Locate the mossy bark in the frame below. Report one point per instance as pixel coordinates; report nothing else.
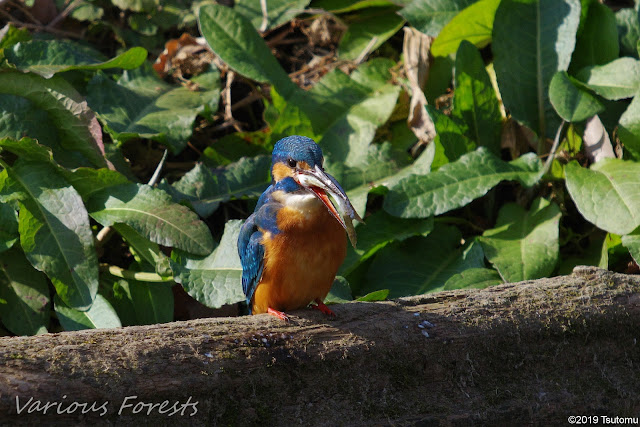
(536, 351)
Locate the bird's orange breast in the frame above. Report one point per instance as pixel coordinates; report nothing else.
(300, 262)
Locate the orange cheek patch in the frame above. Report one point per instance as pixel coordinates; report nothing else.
(281, 171)
(304, 166)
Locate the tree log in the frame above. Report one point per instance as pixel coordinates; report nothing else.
(536, 351)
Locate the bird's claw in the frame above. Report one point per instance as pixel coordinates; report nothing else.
(279, 314)
(322, 307)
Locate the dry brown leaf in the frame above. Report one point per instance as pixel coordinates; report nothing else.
(416, 49)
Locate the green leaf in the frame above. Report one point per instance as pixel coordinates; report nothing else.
(76, 126)
(215, 280)
(474, 99)
(140, 105)
(628, 31)
(532, 40)
(343, 112)
(473, 278)
(378, 23)
(456, 184)
(597, 41)
(27, 149)
(629, 128)
(137, 5)
(632, 242)
(473, 24)
(152, 302)
(54, 231)
(430, 16)
(89, 181)
(345, 6)
(380, 295)
(151, 213)
(404, 269)
(450, 142)
(48, 57)
(100, 315)
(147, 250)
(278, 11)
(8, 226)
(10, 35)
(607, 195)
(206, 188)
(571, 101)
(233, 38)
(379, 230)
(616, 80)
(340, 292)
(25, 290)
(524, 245)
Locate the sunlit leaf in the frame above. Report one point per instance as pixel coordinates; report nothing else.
(216, 279)
(524, 244)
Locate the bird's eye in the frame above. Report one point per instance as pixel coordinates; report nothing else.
(291, 162)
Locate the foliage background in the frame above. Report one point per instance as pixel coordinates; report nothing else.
(483, 142)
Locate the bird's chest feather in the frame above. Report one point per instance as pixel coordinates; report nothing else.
(301, 260)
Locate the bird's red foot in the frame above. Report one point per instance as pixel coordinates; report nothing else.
(323, 308)
(279, 314)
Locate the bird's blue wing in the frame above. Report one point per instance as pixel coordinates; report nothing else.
(251, 253)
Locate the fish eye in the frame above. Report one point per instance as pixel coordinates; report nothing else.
(292, 163)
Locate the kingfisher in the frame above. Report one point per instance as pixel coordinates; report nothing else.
(294, 242)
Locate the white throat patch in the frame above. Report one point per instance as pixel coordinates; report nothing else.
(304, 202)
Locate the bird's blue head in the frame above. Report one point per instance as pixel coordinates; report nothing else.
(294, 152)
(297, 167)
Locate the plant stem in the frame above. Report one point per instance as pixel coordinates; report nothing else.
(136, 275)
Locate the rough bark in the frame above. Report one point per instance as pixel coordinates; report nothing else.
(536, 351)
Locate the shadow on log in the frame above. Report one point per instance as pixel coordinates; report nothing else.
(537, 351)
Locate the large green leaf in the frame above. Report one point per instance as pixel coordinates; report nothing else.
(145, 249)
(26, 149)
(456, 184)
(278, 11)
(233, 38)
(152, 213)
(100, 315)
(473, 24)
(524, 245)
(88, 181)
(57, 103)
(597, 41)
(378, 23)
(608, 194)
(54, 230)
(215, 280)
(571, 101)
(474, 99)
(629, 128)
(379, 230)
(628, 31)
(8, 226)
(421, 264)
(140, 105)
(152, 302)
(345, 6)
(473, 278)
(48, 57)
(532, 40)
(616, 80)
(632, 242)
(343, 112)
(206, 188)
(430, 16)
(24, 295)
(450, 142)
